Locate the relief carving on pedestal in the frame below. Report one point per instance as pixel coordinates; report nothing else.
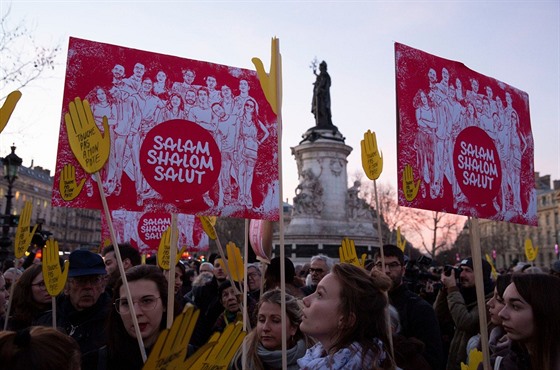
(357, 208)
(309, 195)
(336, 166)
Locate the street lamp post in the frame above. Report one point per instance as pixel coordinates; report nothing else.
(11, 166)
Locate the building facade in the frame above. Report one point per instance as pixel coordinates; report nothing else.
(506, 241)
(73, 228)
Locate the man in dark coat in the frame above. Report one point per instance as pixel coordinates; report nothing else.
(417, 317)
(82, 310)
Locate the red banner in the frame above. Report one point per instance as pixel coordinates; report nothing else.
(187, 137)
(464, 141)
(143, 230)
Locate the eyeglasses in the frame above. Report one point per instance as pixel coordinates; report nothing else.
(253, 275)
(146, 303)
(319, 271)
(390, 266)
(250, 105)
(84, 280)
(40, 284)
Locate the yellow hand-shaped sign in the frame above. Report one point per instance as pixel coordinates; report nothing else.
(89, 146)
(475, 358)
(55, 279)
(8, 108)
(170, 349)
(208, 223)
(164, 250)
(218, 355)
(234, 261)
(494, 272)
(67, 185)
(530, 252)
(401, 243)
(269, 82)
(372, 158)
(23, 235)
(410, 188)
(347, 253)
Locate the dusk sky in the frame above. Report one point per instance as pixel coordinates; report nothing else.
(515, 42)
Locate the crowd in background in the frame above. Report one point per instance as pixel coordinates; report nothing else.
(388, 314)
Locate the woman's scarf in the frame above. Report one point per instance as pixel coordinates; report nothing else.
(273, 359)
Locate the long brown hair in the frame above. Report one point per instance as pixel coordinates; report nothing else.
(120, 342)
(39, 348)
(542, 293)
(362, 305)
(25, 309)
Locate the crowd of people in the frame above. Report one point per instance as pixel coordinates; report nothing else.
(337, 315)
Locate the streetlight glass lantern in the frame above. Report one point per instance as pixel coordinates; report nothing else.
(11, 163)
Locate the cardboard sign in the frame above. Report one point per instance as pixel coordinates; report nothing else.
(8, 108)
(372, 157)
(55, 278)
(23, 235)
(530, 252)
(144, 230)
(186, 136)
(467, 138)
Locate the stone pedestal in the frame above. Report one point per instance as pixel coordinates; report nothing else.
(325, 210)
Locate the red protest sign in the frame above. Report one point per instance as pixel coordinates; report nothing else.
(144, 230)
(187, 136)
(467, 138)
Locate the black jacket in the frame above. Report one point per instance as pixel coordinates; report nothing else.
(87, 327)
(418, 320)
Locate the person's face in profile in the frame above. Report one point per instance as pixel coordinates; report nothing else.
(321, 312)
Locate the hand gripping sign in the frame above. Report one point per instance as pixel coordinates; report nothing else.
(347, 253)
(23, 235)
(8, 108)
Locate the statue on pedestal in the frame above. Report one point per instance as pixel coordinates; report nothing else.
(321, 104)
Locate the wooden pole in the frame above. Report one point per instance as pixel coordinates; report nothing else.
(480, 298)
(121, 267)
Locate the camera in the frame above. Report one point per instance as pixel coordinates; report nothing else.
(448, 268)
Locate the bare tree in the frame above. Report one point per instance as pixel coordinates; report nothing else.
(435, 231)
(392, 215)
(23, 60)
